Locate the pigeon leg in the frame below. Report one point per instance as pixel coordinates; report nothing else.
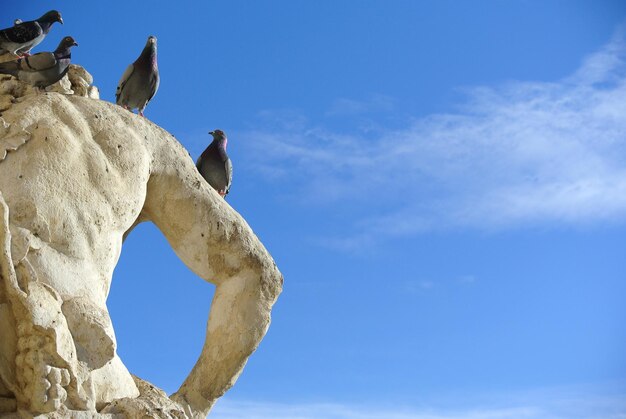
(141, 114)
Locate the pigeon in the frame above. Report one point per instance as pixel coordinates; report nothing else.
(140, 81)
(214, 164)
(44, 68)
(23, 36)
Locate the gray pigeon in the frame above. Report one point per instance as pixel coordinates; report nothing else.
(42, 69)
(214, 164)
(140, 81)
(23, 36)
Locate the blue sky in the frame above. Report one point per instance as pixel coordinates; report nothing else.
(443, 185)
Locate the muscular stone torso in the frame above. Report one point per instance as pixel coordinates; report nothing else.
(69, 206)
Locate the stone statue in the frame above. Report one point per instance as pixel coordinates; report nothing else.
(76, 175)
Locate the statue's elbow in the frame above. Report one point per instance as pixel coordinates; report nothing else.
(269, 279)
(274, 284)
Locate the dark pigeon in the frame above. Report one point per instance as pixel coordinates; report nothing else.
(42, 69)
(22, 37)
(140, 81)
(214, 164)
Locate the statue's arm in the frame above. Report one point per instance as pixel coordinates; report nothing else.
(219, 246)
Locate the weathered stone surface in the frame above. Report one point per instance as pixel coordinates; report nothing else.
(152, 402)
(76, 175)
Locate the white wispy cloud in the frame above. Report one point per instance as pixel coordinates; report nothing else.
(524, 153)
(534, 406)
(335, 411)
(417, 286)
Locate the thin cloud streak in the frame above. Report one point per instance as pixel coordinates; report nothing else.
(526, 153)
(335, 411)
(563, 407)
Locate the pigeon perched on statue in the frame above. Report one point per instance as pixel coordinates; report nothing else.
(140, 81)
(44, 68)
(214, 164)
(23, 36)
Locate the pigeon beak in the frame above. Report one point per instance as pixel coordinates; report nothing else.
(75, 44)
(60, 20)
(211, 132)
